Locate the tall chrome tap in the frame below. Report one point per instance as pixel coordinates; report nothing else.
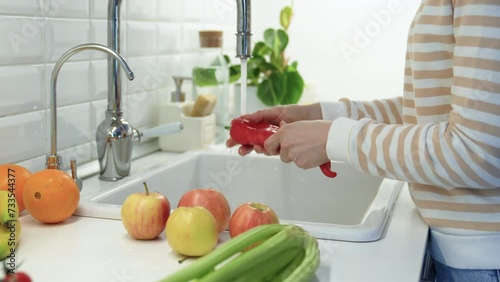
(243, 29)
(115, 136)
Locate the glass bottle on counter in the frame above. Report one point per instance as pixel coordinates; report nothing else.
(211, 73)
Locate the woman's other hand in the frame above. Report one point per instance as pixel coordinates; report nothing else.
(303, 143)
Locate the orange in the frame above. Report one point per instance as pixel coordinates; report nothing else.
(16, 176)
(51, 195)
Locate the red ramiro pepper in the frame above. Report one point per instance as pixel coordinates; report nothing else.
(245, 132)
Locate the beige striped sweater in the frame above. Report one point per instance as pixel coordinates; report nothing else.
(443, 135)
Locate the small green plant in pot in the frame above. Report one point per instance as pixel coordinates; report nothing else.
(278, 81)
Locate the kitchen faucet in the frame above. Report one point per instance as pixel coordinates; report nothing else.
(115, 136)
(54, 160)
(243, 29)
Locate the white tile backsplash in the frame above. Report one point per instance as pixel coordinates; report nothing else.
(98, 79)
(194, 10)
(62, 35)
(98, 9)
(168, 67)
(66, 8)
(23, 136)
(190, 37)
(147, 77)
(25, 7)
(141, 10)
(21, 40)
(22, 89)
(98, 34)
(141, 38)
(159, 39)
(72, 84)
(135, 105)
(73, 125)
(169, 38)
(172, 11)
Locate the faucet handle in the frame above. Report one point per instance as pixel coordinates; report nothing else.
(168, 128)
(78, 181)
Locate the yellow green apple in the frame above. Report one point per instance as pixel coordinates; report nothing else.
(144, 215)
(211, 199)
(10, 232)
(192, 231)
(9, 209)
(10, 228)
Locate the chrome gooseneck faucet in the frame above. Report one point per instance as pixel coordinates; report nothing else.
(54, 159)
(115, 136)
(243, 29)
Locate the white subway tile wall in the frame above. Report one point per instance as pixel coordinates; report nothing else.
(159, 39)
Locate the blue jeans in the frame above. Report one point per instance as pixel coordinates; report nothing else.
(445, 273)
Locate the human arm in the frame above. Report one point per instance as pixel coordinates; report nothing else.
(382, 110)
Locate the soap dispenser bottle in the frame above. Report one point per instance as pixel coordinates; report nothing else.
(211, 73)
(172, 108)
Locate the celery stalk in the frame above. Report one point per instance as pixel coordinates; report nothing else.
(208, 262)
(290, 237)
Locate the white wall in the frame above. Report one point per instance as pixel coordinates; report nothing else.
(160, 40)
(321, 27)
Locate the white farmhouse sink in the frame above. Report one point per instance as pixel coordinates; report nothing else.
(351, 207)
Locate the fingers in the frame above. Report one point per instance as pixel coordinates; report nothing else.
(245, 150)
(272, 144)
(230, 143)
(266, 115)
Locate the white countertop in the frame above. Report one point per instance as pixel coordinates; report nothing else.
(91, 249)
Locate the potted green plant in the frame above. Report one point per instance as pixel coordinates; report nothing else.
(278, 80)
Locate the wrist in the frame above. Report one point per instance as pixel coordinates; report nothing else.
(337, 146)
(313, 112)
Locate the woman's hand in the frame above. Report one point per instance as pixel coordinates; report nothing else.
(302, 142)
(275, 115)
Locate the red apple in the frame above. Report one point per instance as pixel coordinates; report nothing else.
(250, 215)
(144, 215)
(211, 199)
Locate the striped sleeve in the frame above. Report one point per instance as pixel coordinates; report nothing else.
(464, 149)
(384, 110)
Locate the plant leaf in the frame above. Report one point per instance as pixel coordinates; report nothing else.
(294, 86)
(286, 17)
(276, 39)
(227, 59)
(204, 77)
(270, 39)
(283, 40)
(234, 73)
(271, 90)
(253, 71)
(260, 50)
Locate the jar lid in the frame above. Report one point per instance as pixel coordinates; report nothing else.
(210, 38)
